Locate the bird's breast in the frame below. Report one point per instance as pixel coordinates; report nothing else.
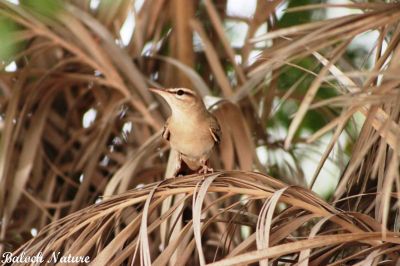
(191, 139)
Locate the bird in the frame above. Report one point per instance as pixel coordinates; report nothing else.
(191, 129)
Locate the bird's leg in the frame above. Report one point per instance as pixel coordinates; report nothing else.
(204, 167)
(178, 165)
(166, 133)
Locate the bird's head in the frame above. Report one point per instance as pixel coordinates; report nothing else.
(180, 99)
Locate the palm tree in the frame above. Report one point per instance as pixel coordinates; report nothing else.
(304, 109)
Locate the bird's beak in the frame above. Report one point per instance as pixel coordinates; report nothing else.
(162, 92)
(159, 91)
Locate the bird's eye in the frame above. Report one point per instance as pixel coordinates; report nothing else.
(180, 92)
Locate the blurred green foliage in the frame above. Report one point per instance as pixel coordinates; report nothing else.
(7, 44)
(48, 8)
(297, 18)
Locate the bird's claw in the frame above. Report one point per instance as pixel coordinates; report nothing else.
(205, 169)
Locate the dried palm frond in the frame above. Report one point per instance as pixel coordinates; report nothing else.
(79, 126)
(229, 218)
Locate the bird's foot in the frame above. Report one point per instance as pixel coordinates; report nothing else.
(205, 169)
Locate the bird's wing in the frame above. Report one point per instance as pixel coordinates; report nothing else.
(166, 134)
(215, 129)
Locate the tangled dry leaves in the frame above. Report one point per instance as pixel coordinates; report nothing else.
(127, 226)
(98, 189)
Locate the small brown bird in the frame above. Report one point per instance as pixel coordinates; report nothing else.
(191, 129)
